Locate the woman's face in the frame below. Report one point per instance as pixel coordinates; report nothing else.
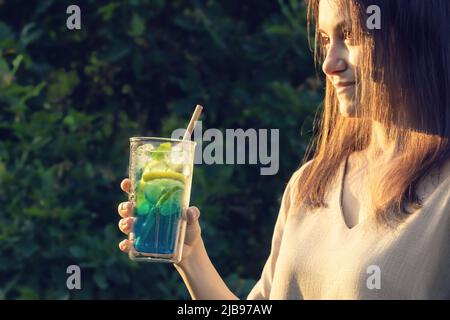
(340, 64)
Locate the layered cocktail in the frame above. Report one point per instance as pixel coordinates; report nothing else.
(161, 177)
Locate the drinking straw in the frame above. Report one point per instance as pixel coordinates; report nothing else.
(194, 118)
(156, 208)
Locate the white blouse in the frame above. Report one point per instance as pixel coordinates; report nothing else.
(314, 255)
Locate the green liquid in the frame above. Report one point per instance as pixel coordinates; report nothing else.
(158, 214)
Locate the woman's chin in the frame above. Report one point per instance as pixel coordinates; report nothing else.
(347, 109)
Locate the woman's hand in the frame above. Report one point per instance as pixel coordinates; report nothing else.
(193, 230)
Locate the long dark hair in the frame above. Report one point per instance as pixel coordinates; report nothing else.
(404, 83)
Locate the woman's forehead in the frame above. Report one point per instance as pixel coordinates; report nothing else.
(331, 16)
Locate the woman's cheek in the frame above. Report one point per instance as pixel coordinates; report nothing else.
(355, 56)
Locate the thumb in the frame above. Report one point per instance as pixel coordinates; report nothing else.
(193, 213)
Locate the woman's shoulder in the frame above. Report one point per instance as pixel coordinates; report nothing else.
(434, 180)
(299, 172)
(292, 186)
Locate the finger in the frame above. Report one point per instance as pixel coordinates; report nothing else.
(193, 214)
(125, 245)
(125, 185)
(193, 229)
(126, 225)
(125, 209)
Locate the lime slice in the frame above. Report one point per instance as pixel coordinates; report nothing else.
(156, 166)
(150, 175)
(159, 153)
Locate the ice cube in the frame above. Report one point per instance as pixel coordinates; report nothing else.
(143, 154)
(179, 155)
(186, 170)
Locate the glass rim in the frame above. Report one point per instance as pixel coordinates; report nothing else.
(137, 139)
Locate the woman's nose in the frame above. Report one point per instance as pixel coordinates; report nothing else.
(334, 61)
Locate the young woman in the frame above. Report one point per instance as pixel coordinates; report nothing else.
(368, 217)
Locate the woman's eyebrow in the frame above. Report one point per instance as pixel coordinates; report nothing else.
(341, 25)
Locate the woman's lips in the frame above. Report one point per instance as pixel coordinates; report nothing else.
(344, 86)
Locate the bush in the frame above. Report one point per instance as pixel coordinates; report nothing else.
(70, 100)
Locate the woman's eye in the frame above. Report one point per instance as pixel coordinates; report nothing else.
(347, 35)
(325, 40)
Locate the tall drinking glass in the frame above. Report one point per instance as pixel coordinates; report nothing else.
(161, 176)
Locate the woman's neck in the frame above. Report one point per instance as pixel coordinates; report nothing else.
(381, 149)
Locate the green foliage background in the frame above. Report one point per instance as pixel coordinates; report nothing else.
(70, 100)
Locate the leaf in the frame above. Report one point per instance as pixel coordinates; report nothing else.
(5, 31)
(35, 91)
(279, 30)
(8, 286)
(4, 69)
(160, 152)
(100, 280)
(16, 63)
(137, 27)
(27, 35)
(77, 251)
(62, 84)
(107, 11)
(27, 293)
(166, 195)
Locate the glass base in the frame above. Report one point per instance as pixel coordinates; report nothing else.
(154, 257)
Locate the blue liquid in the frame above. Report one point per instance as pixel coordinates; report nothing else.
(158, 213)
